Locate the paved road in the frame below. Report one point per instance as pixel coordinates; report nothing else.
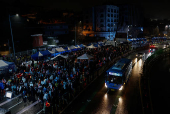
(96, 100)
(17, 105)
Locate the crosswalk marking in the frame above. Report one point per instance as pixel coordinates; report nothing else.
(9, 100)
(28, 107)
(14, 105)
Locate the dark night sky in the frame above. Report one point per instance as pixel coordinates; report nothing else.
(152, 8)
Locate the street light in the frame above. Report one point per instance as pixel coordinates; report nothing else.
(127, 32)
(11, 32)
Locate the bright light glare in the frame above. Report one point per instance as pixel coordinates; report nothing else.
(120, 99)
(121, 88)
(17, 14)
(9, 94)
(149, 54)
(105, 85)
(140, 62)
(105, 95)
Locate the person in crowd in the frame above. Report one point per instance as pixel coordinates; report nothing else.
(53, 81)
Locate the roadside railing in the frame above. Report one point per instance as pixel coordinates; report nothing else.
(145, 85)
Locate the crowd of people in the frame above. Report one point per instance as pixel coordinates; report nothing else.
(56, 82)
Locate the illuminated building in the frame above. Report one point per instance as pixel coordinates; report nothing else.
(101, 21)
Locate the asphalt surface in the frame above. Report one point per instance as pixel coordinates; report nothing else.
(96, 100)
(18, 105)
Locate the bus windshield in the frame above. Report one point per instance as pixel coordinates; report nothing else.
(114, 79)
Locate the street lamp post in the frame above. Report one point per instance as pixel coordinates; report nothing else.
(127, 32)
(12, 34)
(75, 34)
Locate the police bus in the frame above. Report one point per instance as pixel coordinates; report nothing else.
(118, 74)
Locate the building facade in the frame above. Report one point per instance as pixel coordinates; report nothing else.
(37, 40)
(101, 21)
(53, 30)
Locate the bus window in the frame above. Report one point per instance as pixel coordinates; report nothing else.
(114, 79)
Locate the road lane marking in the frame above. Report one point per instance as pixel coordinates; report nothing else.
(28, 107)
(9, 100)
(14, 105)
(40, 111)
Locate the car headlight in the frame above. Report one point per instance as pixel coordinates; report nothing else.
(105, 85)
(121, 88)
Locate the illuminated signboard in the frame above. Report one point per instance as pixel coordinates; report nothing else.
(115, 74)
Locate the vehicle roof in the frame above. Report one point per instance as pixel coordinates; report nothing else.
(119, 66)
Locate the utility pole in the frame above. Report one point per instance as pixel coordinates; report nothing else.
(12, 35)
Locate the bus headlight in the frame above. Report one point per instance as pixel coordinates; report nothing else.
(121, 88)
(105, 85)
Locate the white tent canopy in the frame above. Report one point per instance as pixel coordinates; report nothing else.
(72, 47)
(51, 52)
(65, 57)
(82, 45)
(40, 54)
(60, 49)
(77, 46)
(85, 56)
(91, 46)
(68, 48)
(4, 63)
